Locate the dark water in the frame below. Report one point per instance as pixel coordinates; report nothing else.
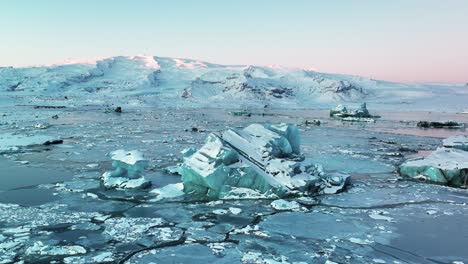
(18, 182)
(14, 175)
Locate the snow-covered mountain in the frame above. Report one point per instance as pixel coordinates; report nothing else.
(159, 81)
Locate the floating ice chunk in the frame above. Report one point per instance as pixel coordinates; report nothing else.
(128, 168)
(431, 212)
(123, 182)
(458, 142)
(335, 182)
(360, 241)
(130, 229)
(169, 191)
(283, 205)
(41, 125)
(380, 216)
(444, 166)
(245, 193)
(235, 210)
(48, 250)
(103, 257)
(338, 111)
(220, 211)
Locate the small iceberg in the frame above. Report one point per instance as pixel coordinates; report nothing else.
(446, 165)
(129, 166)
(359, 115)
(457, 142)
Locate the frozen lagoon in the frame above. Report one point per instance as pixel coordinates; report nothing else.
(53, 195)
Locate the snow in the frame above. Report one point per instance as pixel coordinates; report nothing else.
(169, 191)
(128, 157)
(189, 64)
(165, 82)
(39, 248)
(284, 205)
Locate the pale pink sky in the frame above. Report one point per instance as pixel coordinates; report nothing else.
(398, 40)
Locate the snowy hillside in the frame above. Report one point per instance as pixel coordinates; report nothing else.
(163, 82)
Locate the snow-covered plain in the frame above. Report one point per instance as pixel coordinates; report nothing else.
(55, 208)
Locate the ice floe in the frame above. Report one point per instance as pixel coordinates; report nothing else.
(444, 166)
(13, 143)
(458, 142)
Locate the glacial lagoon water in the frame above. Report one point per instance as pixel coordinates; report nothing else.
(53, 207)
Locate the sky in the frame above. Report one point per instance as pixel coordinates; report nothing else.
(395, 40)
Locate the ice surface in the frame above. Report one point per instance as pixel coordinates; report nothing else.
(40, 248)
(444, 165)
(128, 168)
(283, 205)
(13, 142)
(169, 191)
(458, 142)
(263, 158)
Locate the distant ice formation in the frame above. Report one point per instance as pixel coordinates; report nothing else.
(360, 114)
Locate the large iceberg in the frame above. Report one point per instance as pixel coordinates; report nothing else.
(458, 142)
(447, 165)
(129, 166)
(265, 158)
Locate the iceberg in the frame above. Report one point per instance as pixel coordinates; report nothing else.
(264, 158)
(448, 166)
(339, 111)
(458, 142)
(343, 112)
(129, 166)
